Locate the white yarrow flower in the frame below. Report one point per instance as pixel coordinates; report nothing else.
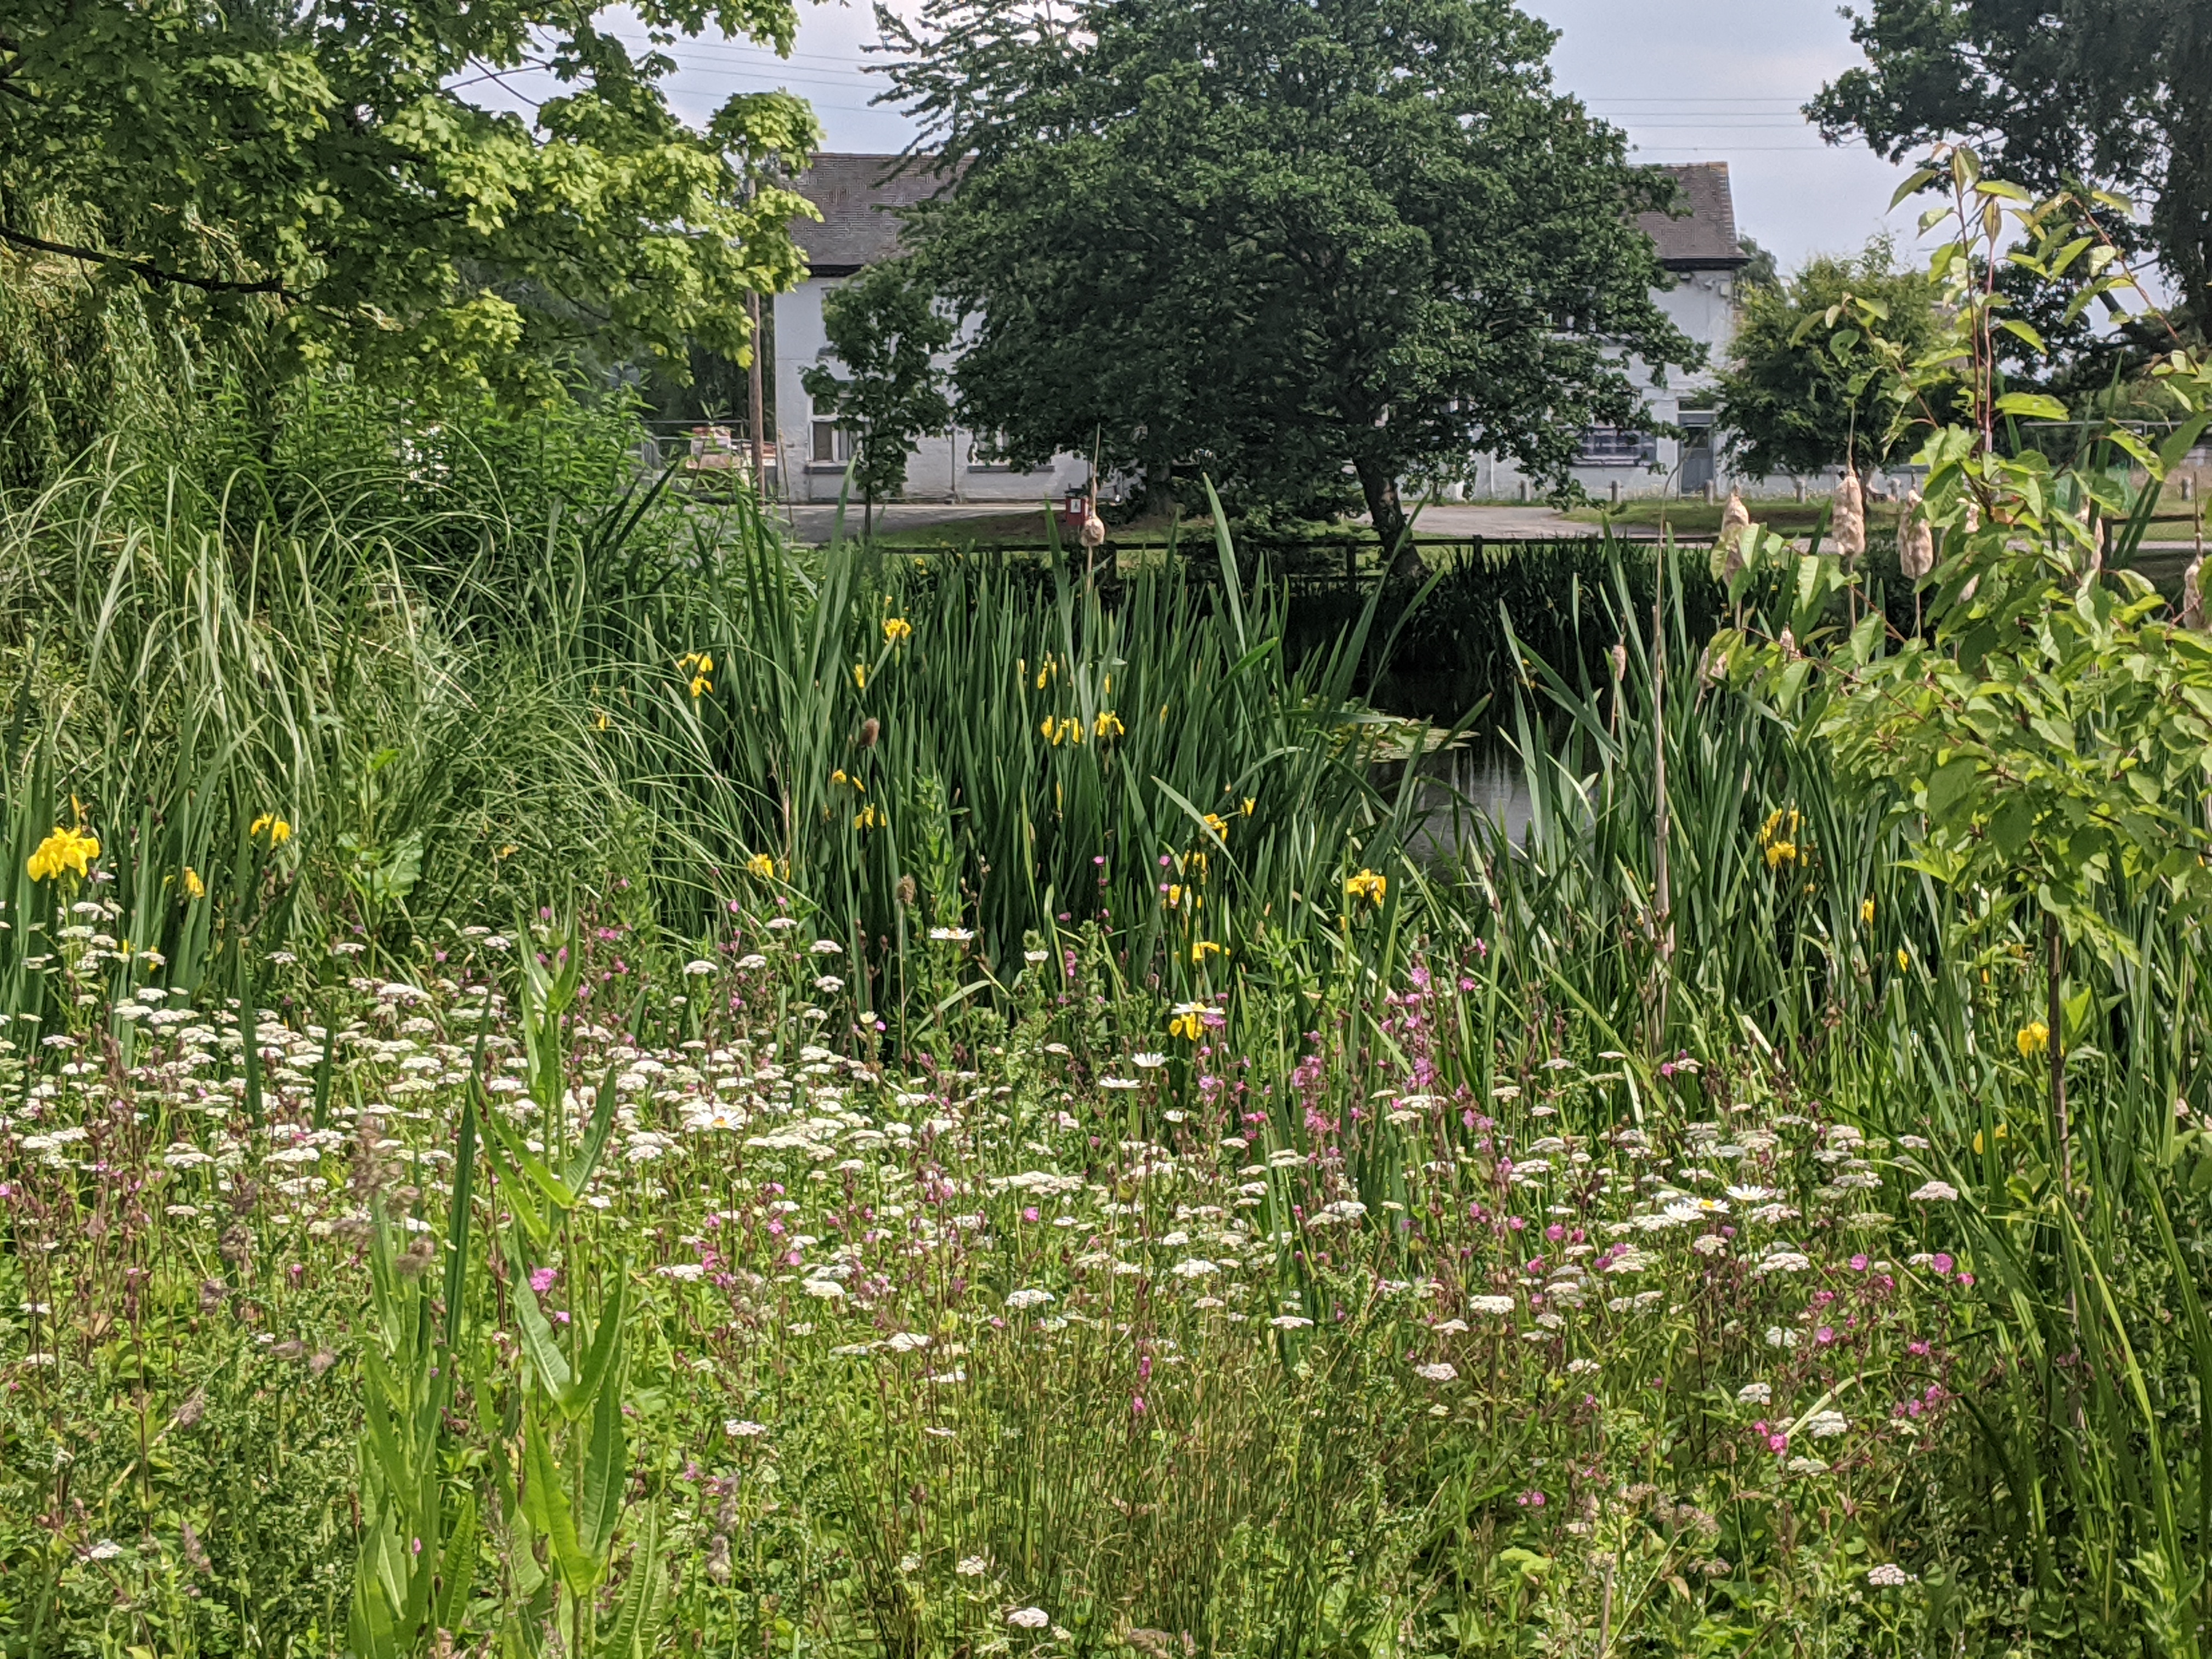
(1028, 1618)
(1935, 1192)
(1441, 1371)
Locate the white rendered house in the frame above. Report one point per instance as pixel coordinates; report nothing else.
(858, 196)
(1701, 253)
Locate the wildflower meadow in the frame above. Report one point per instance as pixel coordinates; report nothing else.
(581, 1079)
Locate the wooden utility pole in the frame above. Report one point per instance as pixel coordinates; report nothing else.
(759, 415)
(1662, 893)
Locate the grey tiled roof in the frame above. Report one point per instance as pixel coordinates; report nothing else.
(1705, 239)
(857, 195)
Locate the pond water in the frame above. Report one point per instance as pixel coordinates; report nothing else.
(1488, 780)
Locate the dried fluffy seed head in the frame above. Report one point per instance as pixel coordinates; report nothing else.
(1848, 525)
(1916, 541)
(371, 1172)
(1093, 533)
(415, 1260)
(906, 893)
(1728, 549)
(871, 729)
(2192, 594)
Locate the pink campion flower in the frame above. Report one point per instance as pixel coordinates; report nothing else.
(1777, 1443)
(1917, 1350)
(541, 1279)
(1029, 1214)
(1531, 1499)
(1858, 1264)
(1941, 1263)
(1825, 1335)
(1965, 1281)
(1136, 1405)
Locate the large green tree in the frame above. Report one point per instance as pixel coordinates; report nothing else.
(1286, 241)
(886, 330)
(2113, 95)
(318, 168)
(1803, 387)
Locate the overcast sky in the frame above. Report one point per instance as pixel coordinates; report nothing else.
(1689, 80)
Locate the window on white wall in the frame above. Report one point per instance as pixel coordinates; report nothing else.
(833, 444)
(987, 453)
(1613, 445)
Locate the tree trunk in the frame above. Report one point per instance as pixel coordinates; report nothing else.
(1378, 481)
(1159, 488)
